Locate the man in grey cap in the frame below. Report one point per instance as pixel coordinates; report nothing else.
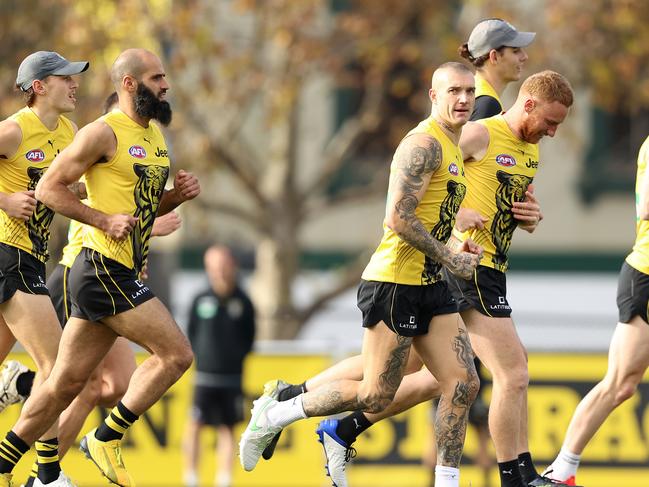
(495, 49)
(29, 141)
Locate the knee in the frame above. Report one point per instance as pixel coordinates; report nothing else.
(180, 360)
(374, 400)
(112, 391)
(620, 391)
(66, 391)
(513, 379)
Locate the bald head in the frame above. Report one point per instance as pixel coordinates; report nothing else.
(221, 268)
(452, 95)
(132, 62)
(441, 74)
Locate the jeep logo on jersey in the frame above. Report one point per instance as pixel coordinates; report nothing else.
(137, 151)
(35, 155)
(505, 160)
(453, 169)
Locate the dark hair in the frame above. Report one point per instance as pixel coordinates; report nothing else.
(110, 101)
(463, 51)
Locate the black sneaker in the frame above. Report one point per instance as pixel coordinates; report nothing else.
(542, 481)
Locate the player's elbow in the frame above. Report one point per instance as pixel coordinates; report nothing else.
(395, 223)
(643, 212)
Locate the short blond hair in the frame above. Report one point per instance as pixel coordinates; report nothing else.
(549, 86)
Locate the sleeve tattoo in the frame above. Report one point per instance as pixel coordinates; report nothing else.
(414, 163)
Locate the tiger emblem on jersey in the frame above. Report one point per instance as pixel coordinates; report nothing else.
(147, 194)
(38, 225)
(512, 188)
(455, 193)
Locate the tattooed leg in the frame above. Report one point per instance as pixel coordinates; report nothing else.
(385, 356)
(446, 351)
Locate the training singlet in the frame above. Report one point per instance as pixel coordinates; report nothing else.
(484, 88)
(639, 257)
(494, 183)
(22, 172)
(131, 182)
(75, 242)
(396, 261)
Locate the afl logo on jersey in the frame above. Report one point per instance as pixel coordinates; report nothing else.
(137, 151)
(453, 169)
(505, 160)
(35, 155)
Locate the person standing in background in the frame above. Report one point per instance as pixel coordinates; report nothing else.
(221, 331)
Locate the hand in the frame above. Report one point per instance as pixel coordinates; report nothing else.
(463, 265)
(144, 273)
(186, 186)
(468, 219)
(472, 248)
(528, 212)
(20, 205)
(119, 226)
(166, 224)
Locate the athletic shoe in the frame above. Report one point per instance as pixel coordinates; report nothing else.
(107, 455)
(62, 481)
(8, 379)
(259, 433)
(272, 388)
(5, 480)
(337, 452)
(543, 481)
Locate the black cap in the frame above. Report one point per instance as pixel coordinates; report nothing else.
(42, 64)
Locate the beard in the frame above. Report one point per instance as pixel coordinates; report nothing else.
(148, 105)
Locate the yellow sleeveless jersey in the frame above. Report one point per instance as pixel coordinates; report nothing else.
(22, 172)
(131, 182)
(396, 261)
(75, 242)
(639, 257)
(494, 183)
(482, 88)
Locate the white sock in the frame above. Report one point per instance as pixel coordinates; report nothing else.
(446, 476)
(565, 465)
(286, 412)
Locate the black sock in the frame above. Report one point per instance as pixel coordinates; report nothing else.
(12, 448)
(292, 391)
(510, 476)
(351, 426)
(47, 456)
(116, 424)
(526, 466)
(25, 382)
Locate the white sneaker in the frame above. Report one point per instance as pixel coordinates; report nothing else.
(259, 433)
(62, 481)
(8, 378)
(337, 452)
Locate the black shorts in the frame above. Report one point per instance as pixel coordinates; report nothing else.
(101, 287)
(406, 309)
(632, 294)
(486, 292)
(20, 271)
(58, 284)
(217, 406)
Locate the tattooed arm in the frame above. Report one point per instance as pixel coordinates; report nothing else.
(417, 158)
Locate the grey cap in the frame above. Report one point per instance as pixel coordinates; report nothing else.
(42, 64)
(496, 33)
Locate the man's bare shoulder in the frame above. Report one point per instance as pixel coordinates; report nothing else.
(11, 135)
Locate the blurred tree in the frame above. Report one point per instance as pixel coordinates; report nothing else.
(250, 77)
(290, 109)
